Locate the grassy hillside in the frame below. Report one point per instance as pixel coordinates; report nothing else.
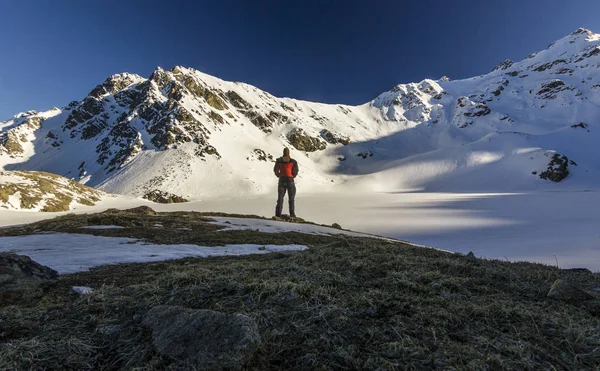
(41, 191)
(346, 303)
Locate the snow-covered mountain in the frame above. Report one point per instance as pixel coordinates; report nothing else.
(525, 125)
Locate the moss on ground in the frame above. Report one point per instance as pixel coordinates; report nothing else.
(346, 303)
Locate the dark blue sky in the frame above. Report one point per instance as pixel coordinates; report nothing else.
(52, 52)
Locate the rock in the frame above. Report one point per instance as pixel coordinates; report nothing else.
(558, 168)
(163, 197)
(141, 210)
(471, 257)
(82, 290)
(549, 90)
(334, 138)
(304, 142)
(563, 290)
(22, 280)
(212, 340)
(336, 226)
(503, 65)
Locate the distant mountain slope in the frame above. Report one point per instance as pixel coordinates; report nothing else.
(39, 191)
(196, 136)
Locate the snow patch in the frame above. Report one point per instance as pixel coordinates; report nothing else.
(70, 253)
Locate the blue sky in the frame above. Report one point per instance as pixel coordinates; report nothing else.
(53, 52)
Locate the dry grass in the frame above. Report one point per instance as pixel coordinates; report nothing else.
(346, 303)
(44, 185)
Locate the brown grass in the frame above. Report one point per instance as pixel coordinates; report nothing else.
(346, 303)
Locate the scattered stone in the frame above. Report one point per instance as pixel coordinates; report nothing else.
(203, 338)
(563, 290)
(336, 226)
(262, 155)
(22, 280)
(364, 155)
(82, 290)
(287, 218)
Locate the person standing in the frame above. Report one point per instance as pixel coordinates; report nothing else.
(286, 169)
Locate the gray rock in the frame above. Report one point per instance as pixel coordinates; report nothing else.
(471, 257)
(142, 210)
(202, 338)
(163, 197)
(23, 281)
(563, 290)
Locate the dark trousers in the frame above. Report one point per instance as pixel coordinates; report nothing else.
(285, 184)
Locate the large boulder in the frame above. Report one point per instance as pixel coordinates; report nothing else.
(23, 281)
(202, 338)
(566, 291)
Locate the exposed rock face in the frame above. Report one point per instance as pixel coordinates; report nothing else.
(163, 197)
(558, 168)
(504, 65)
(334, 138)
(203, 338)
(22, 281)
(304, 142)
(550, 90)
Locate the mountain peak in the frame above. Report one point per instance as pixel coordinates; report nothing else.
(115, 83)
(583, 31)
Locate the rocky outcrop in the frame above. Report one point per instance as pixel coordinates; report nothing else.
(334, 138)
(202, 339)
(163, 197)
(304, 142)
(503, 65)
(550, 90)
(22, 280)
(558, 168)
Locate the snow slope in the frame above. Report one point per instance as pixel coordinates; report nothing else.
(200, 137)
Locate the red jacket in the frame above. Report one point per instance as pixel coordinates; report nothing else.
(285, 167)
